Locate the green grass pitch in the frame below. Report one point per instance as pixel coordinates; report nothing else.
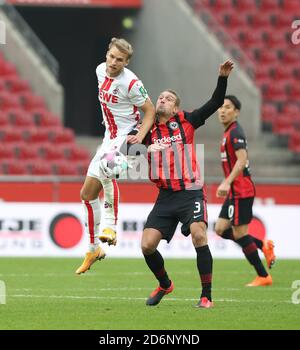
(43, 293)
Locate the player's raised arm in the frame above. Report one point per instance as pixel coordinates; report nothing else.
(198, 116)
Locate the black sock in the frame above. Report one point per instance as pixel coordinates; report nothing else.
(228, 234)
(251, 253)
(204, 264)
(258, 242)
(155, 263)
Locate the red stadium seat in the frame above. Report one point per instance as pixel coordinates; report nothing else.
(283, 126)
(7, 69)
(77, 153)
(82, 167)
(283, 20)
(64, 168)
(251, 39)
(266, 56)
(262, 72)
(2, 84)
(294, 92)
(7, 151)
(220, 5)
(269, 5)
(14, 167)
(23, 120)
(290, 56)
(10, 134)
(40, 167)
(233, 20)
(276, 92)
(291, 108)
(48, 119)
(60, 136)
(291, 6)
(260, 20)
(269, 112)
(282, 72)
(8, 100)
(275, 40)
(4, 119)
(52, 152)
(15, 84)
(30, 101)
(36, 135)
(245, 5)
(28, 151)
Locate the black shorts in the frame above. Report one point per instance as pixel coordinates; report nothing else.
(172, 207)
(238, 211)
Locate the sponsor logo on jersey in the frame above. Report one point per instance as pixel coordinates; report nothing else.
(143, 91)
(235, 140)
(223, 157)
(107, 97)
(224, 141)
(173, 125)
(116, 91)
(168, 139)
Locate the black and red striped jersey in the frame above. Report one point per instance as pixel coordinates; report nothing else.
(176, 168)
(234, 139)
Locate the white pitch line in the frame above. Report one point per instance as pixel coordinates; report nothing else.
(135, 298)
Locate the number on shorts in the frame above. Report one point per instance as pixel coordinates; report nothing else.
(198, 208)
(230, 211)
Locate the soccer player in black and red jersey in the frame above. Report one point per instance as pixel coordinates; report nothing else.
(239, 191)
(181, 197)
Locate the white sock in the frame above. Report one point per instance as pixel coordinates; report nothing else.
(92, 215)
(111, 203)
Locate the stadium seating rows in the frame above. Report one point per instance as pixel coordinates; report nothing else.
(262, 31)
(33, 140)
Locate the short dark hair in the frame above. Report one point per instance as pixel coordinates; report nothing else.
(235, 101)
(177, 101)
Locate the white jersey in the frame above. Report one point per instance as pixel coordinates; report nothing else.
(120, 98)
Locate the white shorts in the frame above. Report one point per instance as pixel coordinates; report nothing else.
(107, 145)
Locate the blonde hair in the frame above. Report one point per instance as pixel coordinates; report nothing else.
(122, 45)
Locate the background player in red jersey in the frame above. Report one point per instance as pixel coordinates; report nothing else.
(239, 190)
(181, 197)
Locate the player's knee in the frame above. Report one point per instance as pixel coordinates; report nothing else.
(148, 247)
(86, 195)
(218, 229)
(199, 236)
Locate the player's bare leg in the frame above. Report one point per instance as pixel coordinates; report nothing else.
(250, 250)
(204, 263)
(110, 210)
(91, 204)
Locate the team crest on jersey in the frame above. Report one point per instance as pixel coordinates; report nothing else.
(116, 91)
(174, 125)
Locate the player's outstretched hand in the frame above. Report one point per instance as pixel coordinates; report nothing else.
(226, 68)
(133, 139)
(157, 147)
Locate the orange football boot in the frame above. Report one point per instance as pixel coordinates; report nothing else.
(268, 250)
(260, 281)
(89, 260)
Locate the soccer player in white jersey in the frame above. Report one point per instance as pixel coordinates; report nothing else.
(121, 94)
